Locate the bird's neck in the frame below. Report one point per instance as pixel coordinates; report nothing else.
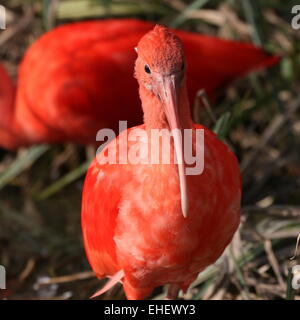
(154, 116)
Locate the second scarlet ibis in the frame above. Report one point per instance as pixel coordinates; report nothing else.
(149, 224)
(76, 79)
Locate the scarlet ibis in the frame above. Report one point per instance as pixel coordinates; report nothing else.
(148, 224)
(76, 79)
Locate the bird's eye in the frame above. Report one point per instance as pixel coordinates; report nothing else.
(147, 69)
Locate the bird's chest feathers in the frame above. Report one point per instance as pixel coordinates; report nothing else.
(153, 189)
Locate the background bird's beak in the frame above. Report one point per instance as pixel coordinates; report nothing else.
(168, 91)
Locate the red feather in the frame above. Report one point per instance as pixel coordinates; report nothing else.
(150, 224)
(72, 78)
(129, 204)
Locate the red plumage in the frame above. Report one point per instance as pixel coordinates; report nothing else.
(140, 224)
(72, 78)
(114, 190)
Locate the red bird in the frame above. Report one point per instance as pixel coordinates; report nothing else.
(73, 77)
(148, 225)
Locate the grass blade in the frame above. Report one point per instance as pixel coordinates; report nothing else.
(182, 16)
(290, 293)
(81, 9)
(21, 163)
(222, 125)
(252, 20)
(65, 180)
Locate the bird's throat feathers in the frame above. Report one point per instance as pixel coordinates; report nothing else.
(154, 115)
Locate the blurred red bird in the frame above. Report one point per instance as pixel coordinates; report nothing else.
(148, 225)
(76, 79)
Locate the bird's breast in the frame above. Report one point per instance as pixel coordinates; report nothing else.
(154, 242)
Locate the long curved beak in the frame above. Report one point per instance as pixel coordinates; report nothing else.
(169, 86)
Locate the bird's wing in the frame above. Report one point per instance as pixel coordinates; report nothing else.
(217, 61)
(100, 201)
(101, 198)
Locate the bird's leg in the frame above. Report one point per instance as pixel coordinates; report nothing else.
(172, 293)
(201, 97)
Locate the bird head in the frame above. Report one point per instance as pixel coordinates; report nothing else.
(160, 69)
(161, 62)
